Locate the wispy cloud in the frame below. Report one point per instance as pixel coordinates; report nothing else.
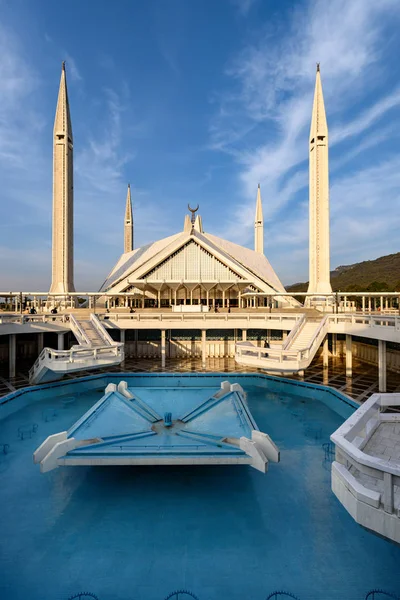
(99, 165)
(243, 6)
(73, 71)
(270, 90)
(18, 80)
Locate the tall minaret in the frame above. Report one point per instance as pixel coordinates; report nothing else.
(319, 276)
(128, 227)
(259, 225)
(63, 196)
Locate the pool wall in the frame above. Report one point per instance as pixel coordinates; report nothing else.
(336, 401)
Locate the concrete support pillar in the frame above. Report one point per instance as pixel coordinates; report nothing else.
(203, 348)
(163, 348)
(40, 342)
(12, 354)
(388, 493)
(349, 357)
(363, 304)
(60, 341)
(122, 335)
(334, 344)
(382, 365)
(244, 335)
(136, 342)
(325, 353)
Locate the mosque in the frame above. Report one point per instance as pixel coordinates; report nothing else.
(193, 295)
(192, 267)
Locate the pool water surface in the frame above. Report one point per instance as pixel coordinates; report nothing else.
(129, 533)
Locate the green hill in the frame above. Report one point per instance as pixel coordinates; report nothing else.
(379, 275)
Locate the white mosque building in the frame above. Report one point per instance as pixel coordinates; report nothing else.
(195, 295)
(192, 267)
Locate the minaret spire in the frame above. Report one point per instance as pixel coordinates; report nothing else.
(319, 260)
(128, 227)
(259, 225)
(63, 195)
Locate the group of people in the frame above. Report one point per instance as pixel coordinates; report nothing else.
(216, 309)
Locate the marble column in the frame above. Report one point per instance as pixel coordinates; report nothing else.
(40, 342)
(203, 348)
(349, 357)
(12, 354)
(382, 365)
(163, 348)
(60, 341)
(325, 353)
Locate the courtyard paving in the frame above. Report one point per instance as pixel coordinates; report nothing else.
(360, 386)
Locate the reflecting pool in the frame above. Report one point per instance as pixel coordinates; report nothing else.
(223, 532)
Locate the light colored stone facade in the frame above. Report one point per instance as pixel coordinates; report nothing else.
(63, 196)
(319, 276)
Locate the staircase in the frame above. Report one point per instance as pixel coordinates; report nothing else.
(304, 336)
(95, 349)
(295, 354)
(90, 332)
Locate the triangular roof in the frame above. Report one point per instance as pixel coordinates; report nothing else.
(247, 264)
(254, 261)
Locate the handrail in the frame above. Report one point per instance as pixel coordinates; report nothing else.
(281, 594)
(371, 595)
(79, 332)
(316, 335)
(74, 354)
(361, 426)
(295, 331)
(179, 317)
(285, 354)
(101, 330)
(4, 319)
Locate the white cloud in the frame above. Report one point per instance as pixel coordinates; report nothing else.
(243, 6)
(18, 81)
(271, 88)
(73, 71)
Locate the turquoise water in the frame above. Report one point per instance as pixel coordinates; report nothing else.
(130, 533)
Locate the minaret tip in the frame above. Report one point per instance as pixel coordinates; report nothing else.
(128, 229)
(318, 68)
(63, 65)
(259, 225)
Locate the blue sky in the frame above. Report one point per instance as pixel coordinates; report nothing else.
(198, 101)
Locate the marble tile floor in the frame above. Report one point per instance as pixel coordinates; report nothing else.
(359, 387)
(385, 442)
